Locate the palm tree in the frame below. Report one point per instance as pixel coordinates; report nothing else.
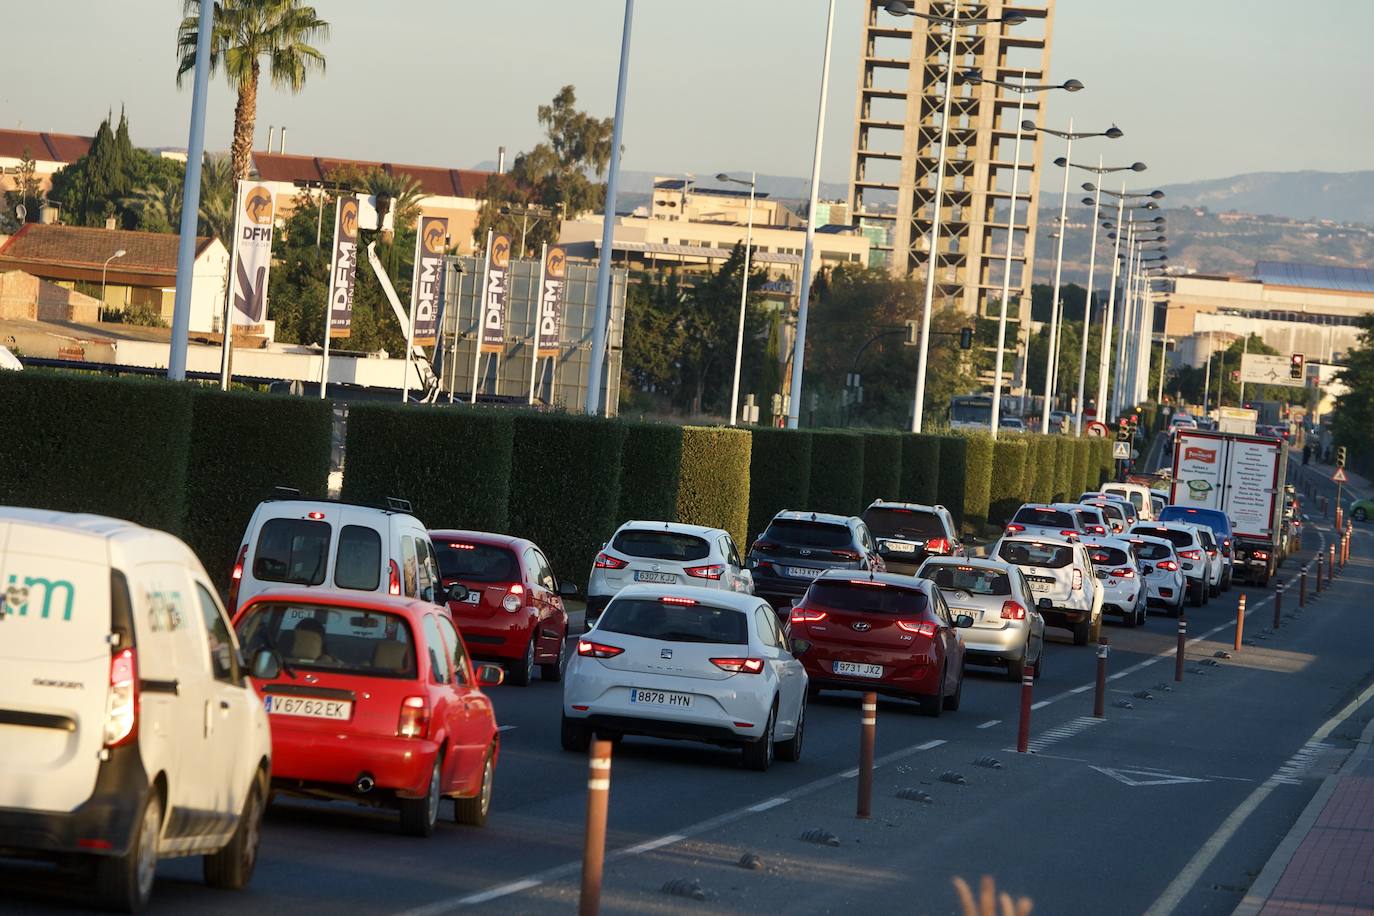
(245, 32)
(216, 216)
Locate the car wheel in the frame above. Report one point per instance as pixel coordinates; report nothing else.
(232, 867)
(126, 882)
(1213, 591)
(758, 755)
(419, 815)
(1131, 619)
(1196, 594)
(790, 750)
(554, 672)
(1226, 582)
(522, 672)
(952, 701)
(812, 691)
(1016, 667)
(574, 736)
(1082, 632)
(933, 706)
(1142, 614)
(472, 812)
(1359, 514)
(1040, 662)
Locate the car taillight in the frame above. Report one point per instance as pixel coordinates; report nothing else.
(714, 571)
(414, 722)
(1013, 610)
(1015, 529)
(807, 615)
(1211, 551)
(845, 554)
(1260, 555)
(236, 580)
(393, 579)
(1124, 572)
(513, 600)
(1097, 529)
(937, 545)
(1169, 565)
(606, 561)
(919, 627)
(597, 650)
(1077, 579)
(1226, 543)
(739, 665)
(1190, 554)
(121, 703)
(1068, 533)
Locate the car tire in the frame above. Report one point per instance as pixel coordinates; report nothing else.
(232, 867)
(522, 672)
(813, 691)
(1131, 619)
(758, 755)
(419, 815)
(1082, 632)
(1142, 614)
(933, 706)
(1359, 514)
(125, 883)
(574, 736)
(791, 749)
(1195, 595)
(1213, 591)
(952, 701)
(1016, 667)
(554, 673)
(472, 812)
(1226, 582)
(1040, 662)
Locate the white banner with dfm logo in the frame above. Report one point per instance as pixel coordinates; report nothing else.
(254, 212)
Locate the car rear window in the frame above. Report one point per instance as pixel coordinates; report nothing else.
(972, 579)
(675, 622)
(1148, 551)
(866, 597)
(358, 562)
(294, 550)
(476, 562)
(1110, 510)
(661, 545)
(1108, 556)
(1217, 521)
(916, 524)
(1131, 496)
(808, 534)
(1034, 553)
(1172, 535)
(1089, 516)
(322, 638)
(1044, 516)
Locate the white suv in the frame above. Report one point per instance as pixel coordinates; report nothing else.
(1061, 578)
(1192, 555)
(1041, 520)
(1164, 582)
(1123, 585)
(665, 553)
(128, 729)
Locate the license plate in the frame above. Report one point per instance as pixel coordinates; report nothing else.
(802, 572)
(641, 697)
(308, 707)
(854, 669)
(474, 596)
(901, 547)
(659, 577)
(1040, 586)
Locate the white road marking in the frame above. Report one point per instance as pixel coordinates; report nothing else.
(651, 845)
(501, 891)
(506, 728)
(1083, 689)
(771, 803)
(1059, 733)
(933, 744)
(1134, 778)
(990, 723)
(1041, 705)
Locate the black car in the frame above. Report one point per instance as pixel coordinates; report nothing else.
(797, 546)
(909, 533)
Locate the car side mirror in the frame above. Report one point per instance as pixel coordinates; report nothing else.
(796, 602)
(490, 675)
(1045, 603)
(963, 621)
(266, 665)
(458, 593)
(567, 589)
(751, 563)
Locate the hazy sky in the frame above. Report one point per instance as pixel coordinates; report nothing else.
(1202, 90)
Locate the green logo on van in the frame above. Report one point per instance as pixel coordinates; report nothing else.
(19, 598)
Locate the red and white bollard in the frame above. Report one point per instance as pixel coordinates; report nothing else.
(868, 727)
(1331, 565)
(1100, 694)
(1240, 621)
(1027, 687)
(594, 843)
(1180, 654)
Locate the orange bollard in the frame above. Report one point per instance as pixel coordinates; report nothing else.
(868, 726)
(1027, 687)
(1240, 621)
(594, 843)
(1331, 565)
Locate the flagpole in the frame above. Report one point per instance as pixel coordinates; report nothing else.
(329, 300)
(478, 300)
(226, 326)
(537, 313)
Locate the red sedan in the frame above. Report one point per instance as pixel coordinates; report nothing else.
(372, 699)
(884, 632)
(513, 610)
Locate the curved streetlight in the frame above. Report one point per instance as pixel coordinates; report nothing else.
(752, 184)
(118, 254)
(1101, 169)
(899, 8)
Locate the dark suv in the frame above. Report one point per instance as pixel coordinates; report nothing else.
(797, 546)
(908, 533)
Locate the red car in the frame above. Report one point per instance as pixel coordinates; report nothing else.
(372, 699)
(513, 612)
(885, 632)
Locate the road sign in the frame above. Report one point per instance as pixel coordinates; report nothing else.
(1146, 777)
(1121, 450)
(1096, 430)
(1339, 476)
(1259, 369)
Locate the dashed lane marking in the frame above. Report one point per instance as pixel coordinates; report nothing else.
(1059, 733)
(990, 723)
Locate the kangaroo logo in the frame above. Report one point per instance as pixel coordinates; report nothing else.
(348, 218)
(558, 262)
(257, 206)
(500, 252)
(434, 238)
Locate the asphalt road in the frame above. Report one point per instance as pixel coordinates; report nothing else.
(1104, 817)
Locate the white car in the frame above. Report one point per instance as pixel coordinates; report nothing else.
(687, 663)
(1043, 520)
(1123, 585)
(128, 729)
(1007, 628)
(1192, 556)
(1216, 563)
(1164, 583)
(1061, 577)
(1090, 518)
(665, 553)
(1112, 510)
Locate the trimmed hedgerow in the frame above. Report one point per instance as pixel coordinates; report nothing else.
(882, 466)
(1008, 478)
(650, 463)
(1042, 480)
(953, 476)
(713, 484)
(977, 481)
(920, 469)
(837, 472)
(779, 475)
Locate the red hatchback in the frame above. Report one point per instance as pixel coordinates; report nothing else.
(372, 699)
(513, 611)
(889, 633)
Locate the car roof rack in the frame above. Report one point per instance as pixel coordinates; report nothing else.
(392, 503)
(399, 505)
(280, 492)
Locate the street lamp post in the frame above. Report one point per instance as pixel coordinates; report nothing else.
(743, 290)
(1108, 326)
(118, 254)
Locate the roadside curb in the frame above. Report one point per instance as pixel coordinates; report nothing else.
(1258, 894)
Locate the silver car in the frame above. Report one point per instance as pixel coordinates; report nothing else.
(1007, 629)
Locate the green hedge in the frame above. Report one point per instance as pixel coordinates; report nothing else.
(1008, 478)
(1047, 451)
(953, 456)
(86, 443)
(977, 482)
(1032, 473)
(882, 467)
(1106, 464)
(649, 467)
(565, 487)
(837, 472)
(457, 472)
(1079, 481)
(1063, 468)
(713, 485)
(920, 469)
(779, 475)
(242, 445)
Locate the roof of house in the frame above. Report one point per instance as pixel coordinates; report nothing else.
(77, 252)
(43, 146)
(1316, 276)
(434, 181)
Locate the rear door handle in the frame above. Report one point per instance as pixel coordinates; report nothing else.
(223, 704)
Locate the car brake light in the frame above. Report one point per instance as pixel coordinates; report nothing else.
(937, 545)
(684, 602)
(513, 600)
(597, 650)
(414, 722)
(919, 627)
(606, 561)
(806, 615)
(236, 580)
(714, 571)
(1169, 565)
(845, 554)
(1068, 532)
(1260, 555)
(1124, 572)
(121, 703)
(314, 516)
(1077, 580)
(1190, 554)
(739, 665)
(1013, 610)
(1097, 529)
(393, 579)
(1015, 529)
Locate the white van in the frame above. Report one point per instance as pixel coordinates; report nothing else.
(128, 729)
(314, 542)
(1134, 493)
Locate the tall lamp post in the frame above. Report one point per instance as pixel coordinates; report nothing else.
(1107, 326)
(953, 23)
(743, 289)
(118, 254)
(1022, 89)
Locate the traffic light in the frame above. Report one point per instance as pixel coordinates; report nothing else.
(1123, 430)
(1340, 456)
(1295, 366)
(966, 338)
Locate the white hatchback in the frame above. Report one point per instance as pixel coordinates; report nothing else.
(687, 663)
(1123, 585)
(1046, 521)
(1062, 580)
(1192, 556)
(1164, 582)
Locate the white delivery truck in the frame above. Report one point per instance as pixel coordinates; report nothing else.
(1242, 476)
(1237, 420)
